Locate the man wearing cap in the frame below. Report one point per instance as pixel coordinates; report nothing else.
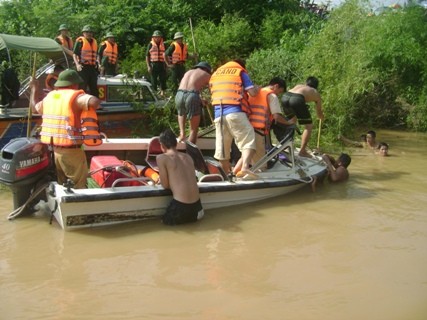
(155, 60)
(175, 57)
(107, 56)
(61, 126)
(65, 40)
(188, 100)
(84, 54)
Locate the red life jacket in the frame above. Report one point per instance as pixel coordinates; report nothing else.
(157, 51)
(88, 52)
(89, 128)
(110, 51)
(179, 54)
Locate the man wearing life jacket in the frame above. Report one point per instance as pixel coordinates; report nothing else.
(63, 111)
(175, 57)
(108, 55)
(266, 110)
(66, 42)
(294, 104)
(230, 85)
(155, 59)
(188, 100)
(85, 58)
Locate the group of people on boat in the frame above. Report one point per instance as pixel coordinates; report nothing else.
(244, 113)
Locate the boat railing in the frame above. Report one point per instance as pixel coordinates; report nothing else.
(286, 143)
(40, 71)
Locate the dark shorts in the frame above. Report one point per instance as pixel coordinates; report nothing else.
(188, 103)
(294, 105)
(178, 212)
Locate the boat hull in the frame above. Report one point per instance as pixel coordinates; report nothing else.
(75, 209)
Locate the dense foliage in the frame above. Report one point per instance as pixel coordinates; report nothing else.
(372, 68)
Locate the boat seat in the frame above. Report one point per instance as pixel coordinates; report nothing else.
(153, 151)
(206, 165)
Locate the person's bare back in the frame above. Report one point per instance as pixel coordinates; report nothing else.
(177, 173)
(310, 94)
(194, 80)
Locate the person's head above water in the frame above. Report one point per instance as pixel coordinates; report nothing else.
(344, 160)
(383, 149)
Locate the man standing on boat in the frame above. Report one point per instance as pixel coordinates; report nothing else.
(177, 173)
(175, 57)
(66, 42)
(294, 104)
(85, 53)
(107, 56)
(155, 59)
(230, 85)
(188, 101)
(265, 109)
(61, 127)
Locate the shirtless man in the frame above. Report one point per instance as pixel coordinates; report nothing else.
(188, 101)
(368, 140)
(294, 104)
(177, 173)
(337, 169)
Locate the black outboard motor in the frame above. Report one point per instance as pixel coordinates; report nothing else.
(24, 165)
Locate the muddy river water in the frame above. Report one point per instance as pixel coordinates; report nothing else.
(356, 250)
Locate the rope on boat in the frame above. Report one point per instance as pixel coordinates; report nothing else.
(18, 211)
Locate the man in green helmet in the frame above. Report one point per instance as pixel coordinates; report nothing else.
(108, 56)
(175, 57)
(85, 57)
(155, 60)
(65, 41)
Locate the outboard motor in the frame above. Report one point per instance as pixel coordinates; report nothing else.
(24, 165)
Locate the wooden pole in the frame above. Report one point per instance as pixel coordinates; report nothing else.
(30, 114)
(318, 134)
(194, 41)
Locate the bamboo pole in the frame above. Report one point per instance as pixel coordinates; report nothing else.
(30, 114)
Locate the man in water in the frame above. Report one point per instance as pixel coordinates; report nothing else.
(337, 169)
(177, 173)
(368, 140)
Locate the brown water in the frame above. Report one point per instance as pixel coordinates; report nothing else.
(356, 250)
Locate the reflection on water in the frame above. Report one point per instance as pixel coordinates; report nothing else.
(356, 250)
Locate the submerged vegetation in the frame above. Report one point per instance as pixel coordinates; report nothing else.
(372, 68)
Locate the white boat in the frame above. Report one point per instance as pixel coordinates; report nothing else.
(129, 198)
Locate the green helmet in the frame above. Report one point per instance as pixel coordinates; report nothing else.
(67, 78)
(63, 27)
(157, 33)
(178, 35)
(87, 28)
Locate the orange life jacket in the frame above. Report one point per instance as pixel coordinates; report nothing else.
(110, 51)
(66, 42)
(157, 51)
(88, 52)
(60, 123)
(260, 116)
(179, 54)
(227, 88)
(89, 128)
